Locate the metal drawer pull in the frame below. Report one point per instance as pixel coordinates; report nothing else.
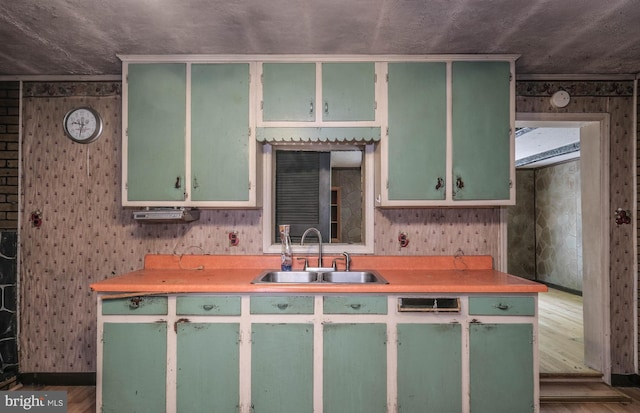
(282, 306)
(207, 307)
(134, 303)
(502, 306)
(356, 306)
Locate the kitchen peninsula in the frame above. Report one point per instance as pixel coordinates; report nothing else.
(193, 333)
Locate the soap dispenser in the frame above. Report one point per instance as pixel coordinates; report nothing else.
(287, 253)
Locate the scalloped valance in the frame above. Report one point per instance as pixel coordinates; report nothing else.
(318, 135)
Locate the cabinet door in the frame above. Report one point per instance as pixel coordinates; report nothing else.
(417, 141)
(156, 132)
(429, 368)
(134, 367)
(220, 132)
(208, 367)
(355, 368)
(481, 130)
(282, 368)
(348, 91)
(501, 368)
(289, 92)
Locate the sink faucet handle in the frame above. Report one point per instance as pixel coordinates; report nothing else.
(306, 262)
(347, 261)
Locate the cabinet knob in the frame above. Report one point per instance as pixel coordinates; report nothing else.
(134, 303)
(178, 184)
(439, 184)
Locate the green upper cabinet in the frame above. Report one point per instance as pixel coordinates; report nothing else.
(417, 141)
(188, 135)
(346, 92)
(481, 130)
(450, 138)
(289, 92)
(220, 132)
(156, 132)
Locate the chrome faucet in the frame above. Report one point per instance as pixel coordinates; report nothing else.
(304, 234)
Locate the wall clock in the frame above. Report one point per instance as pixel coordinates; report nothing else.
(82, 125)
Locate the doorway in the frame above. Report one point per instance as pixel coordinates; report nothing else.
(594, 151)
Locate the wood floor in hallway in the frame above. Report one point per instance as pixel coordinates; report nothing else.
(561, 334)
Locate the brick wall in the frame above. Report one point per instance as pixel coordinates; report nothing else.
(9, 127)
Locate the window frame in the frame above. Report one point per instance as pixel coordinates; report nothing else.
(268, 200)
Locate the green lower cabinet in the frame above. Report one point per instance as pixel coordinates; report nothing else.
(355, 368)
(501, 368)
(282, 368)
(208, 367)
(134, 370)
(429, 368)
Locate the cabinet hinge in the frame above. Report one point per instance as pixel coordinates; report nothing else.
(387, 77)
(261, 104)
(510, 76)
(249, 185)
(375, 78)
(510, 184)
(249, 131)
(375, 105)
(387, 184)
(387, 131)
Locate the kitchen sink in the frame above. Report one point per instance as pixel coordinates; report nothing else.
(353, 277)
(286, 277)
(331, 277)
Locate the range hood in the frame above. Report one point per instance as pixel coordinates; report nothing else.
(166, 215)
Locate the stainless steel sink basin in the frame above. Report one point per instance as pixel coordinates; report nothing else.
(331, 277)
(353, 277)
(295, 277)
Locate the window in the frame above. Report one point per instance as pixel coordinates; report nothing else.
(300, 187)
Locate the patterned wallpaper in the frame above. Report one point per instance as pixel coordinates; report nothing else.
(521, 228)
(87, 236)
(544, 228)
(615, 99)
(559, 225)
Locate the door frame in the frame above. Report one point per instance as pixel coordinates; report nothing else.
(600, 333)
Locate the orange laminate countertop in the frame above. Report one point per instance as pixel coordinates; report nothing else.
(234, 273)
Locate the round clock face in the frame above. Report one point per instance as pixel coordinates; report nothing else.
(82, 125)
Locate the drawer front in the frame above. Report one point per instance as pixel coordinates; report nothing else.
(140, 305)
(282, 305)
(223, 305)
(355, 305)
(515, 306)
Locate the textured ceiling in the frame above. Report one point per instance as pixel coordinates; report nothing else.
(82, 37)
